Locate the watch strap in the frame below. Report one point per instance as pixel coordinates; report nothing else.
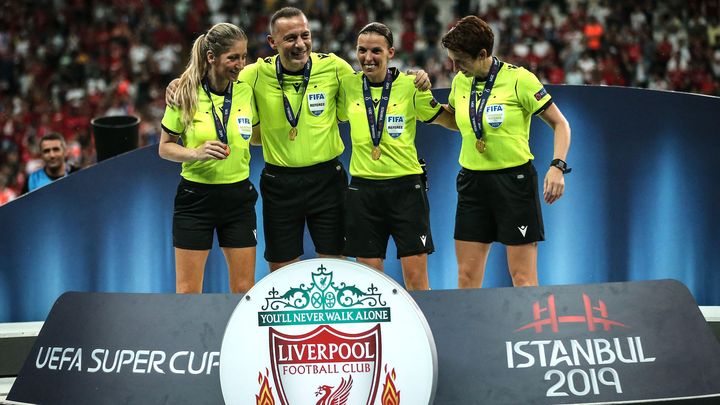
(562, 165)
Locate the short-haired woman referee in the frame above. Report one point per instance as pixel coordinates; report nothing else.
(497, 186)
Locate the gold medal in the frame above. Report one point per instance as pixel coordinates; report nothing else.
(376, 153)
(293, 133)
(480, 145)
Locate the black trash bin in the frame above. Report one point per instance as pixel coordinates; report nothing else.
(115, 135)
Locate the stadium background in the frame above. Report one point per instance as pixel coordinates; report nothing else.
(64, 62)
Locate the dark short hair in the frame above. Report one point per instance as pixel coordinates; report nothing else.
(285, 12)
(53, 136)
(470, 35)
(380, 29)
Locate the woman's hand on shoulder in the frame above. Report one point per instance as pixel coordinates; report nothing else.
(422, 79)
(171, 93)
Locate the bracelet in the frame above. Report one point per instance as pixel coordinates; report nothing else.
(561, 164)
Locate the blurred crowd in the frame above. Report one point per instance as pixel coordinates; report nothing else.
(64, 62)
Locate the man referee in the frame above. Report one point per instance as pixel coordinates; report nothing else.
(303, 181)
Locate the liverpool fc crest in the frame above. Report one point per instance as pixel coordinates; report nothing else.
(327, 332)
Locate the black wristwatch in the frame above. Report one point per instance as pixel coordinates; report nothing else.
(561, 164)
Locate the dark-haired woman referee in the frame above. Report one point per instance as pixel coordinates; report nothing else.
(497, 186)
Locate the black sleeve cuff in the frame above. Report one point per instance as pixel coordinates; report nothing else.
(543, 108)
(169, 131)
(434, 116)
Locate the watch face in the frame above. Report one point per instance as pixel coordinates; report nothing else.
(559, 164)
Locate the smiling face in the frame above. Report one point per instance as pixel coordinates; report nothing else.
(226, 67)
(469, 66)
(373, 55)
(292, 40)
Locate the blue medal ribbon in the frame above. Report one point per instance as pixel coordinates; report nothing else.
(292, 117)
(220, 126)
(476, 114)
(376, 126)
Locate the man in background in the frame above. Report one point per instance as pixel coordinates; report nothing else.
(52, 150)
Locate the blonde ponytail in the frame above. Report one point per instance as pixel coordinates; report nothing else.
(218, 40)
(190, 80)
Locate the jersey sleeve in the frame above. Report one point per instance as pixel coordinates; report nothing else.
(451, 96)
(342, 100)
(256, 116)
(426, 107)
(342, 68)
(172, 121)
(249, 73)
(344, 73)
(531, 93)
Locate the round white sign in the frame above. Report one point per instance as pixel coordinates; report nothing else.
(328, 331)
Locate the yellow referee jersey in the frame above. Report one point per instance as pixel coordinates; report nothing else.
(516, 96)
(318, 138)
(243, 116)
(397, 145)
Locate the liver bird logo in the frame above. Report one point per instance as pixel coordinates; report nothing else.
(337, 397)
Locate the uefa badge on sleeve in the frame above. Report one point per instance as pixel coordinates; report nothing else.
(328, 331)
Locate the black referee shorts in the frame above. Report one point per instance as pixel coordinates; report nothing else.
(499, 205)
(294, 196)
(377, 209)
(201, 209)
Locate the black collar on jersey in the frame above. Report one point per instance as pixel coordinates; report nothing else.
(219, 93)
(292, 72)
(68, 170)
(393, 71)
